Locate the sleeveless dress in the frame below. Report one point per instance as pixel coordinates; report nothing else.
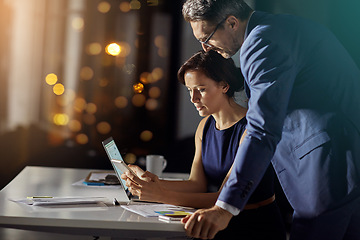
(219, 148)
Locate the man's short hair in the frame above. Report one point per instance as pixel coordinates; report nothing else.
(214, 11)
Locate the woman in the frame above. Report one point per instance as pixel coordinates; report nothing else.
(212, 81)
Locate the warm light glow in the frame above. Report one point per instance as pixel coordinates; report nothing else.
(160, 41)
(121, 102)
(103, 127)
(124, 7)
(74, 125)
(125, 49)
(146, 78)
(51, 78)
(66, 98)
(138, 87)
(130, 158)
(157, 74)
(138, 100)
(86, 73)
(93, 48)
(61, 119)
(135, 4)
(151, 104)
(79, 104)
(113, 49)
(154, 92)
(58, 89)
(82, 139)
(91, 108)
(146, 135)
(104, 7)
(78, 23)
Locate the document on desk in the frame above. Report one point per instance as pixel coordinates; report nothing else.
(156, 210)
(47, 201)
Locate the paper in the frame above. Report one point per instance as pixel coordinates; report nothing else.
(155, 210)
(60, 200)
(81, 183)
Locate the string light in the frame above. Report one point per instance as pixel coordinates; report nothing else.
(113, 49)
(58, 89)
(138, 88)
(51, 79)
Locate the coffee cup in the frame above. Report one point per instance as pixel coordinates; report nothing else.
(155, 164)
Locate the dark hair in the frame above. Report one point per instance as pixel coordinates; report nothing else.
(214, 11)
(216, 67)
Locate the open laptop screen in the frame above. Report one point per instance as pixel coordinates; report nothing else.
(113, 153)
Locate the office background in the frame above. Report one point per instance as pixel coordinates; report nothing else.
(74, 72)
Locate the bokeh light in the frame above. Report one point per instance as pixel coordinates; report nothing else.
(86, 73)
(51, 78)
(91, 108)
(79, 104)
(113, 49)
(157, 74)
(82, 139)
(125, 7)
(138, 100)
(74, 125)
(154, 92)
(61, 119)
(121, 102)
(146, 135)
(160, 41)
(138, 88)
(66, 98)
(125, 49)
(104, 7)
(103, 127)
(151, 104)
(135, 4)
(146, 78)
(58, 89)
(130, 158)
(93, 48)
(77, 23)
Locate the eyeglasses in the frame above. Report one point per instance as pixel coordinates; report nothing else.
(211, 34)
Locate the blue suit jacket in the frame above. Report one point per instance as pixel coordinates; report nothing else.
(304, 115)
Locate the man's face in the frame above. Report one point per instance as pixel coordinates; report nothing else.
(222, 41)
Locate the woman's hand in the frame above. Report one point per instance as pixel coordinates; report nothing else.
(146, 187)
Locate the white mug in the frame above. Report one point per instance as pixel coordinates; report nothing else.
(155, 164)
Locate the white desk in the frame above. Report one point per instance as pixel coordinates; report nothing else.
(90, 220)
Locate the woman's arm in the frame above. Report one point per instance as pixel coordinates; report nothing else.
(155, 188)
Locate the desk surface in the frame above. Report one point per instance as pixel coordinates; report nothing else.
(92, 220)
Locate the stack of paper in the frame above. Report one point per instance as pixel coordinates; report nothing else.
(155, 210)
(45, 201)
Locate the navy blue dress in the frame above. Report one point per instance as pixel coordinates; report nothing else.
(218, 153)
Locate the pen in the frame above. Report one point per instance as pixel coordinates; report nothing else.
(116, 203)
(33, 197)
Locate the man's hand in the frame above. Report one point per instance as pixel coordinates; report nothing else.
(205, 223)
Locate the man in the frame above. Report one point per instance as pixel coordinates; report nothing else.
(303, 117)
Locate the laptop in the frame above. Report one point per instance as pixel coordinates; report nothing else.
(119, 166)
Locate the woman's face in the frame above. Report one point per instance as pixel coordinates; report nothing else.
(207, 95)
